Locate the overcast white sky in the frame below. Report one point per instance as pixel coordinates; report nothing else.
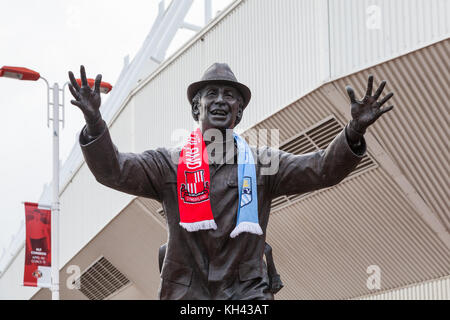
(52, 37)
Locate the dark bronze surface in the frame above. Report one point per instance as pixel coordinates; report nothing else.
(209, 264)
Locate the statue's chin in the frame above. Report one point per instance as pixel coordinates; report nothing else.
(220, 122)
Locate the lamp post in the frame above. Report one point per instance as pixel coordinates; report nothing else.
(20, 73)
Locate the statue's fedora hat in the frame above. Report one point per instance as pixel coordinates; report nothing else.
(219, 73)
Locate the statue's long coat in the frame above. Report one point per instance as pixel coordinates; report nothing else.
(210, 264)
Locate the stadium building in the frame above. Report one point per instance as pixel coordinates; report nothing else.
(390, 215)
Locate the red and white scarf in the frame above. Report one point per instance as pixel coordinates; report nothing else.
(193, 185)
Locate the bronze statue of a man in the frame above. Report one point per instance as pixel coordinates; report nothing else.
(216, 239)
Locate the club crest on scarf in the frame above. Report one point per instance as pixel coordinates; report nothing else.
(195, 189)
(246, 196)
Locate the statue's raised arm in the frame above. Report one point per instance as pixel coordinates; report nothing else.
(139, 174)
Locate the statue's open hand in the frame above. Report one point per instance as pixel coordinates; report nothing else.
(86, 98)
(368, 110)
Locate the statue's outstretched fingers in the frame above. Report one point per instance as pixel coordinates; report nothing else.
(78, 104)
(73, 81)
(380, 89)
(98, 81)
(75, 94)
(386, 109)
(83, 76)
(386, 98)
(351, 94)
(369, 86)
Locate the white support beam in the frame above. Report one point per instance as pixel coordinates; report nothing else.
(172, 21)
(190, 26)
(208, 11)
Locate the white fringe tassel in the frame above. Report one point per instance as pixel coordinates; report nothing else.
(199, 225)
(246, 226)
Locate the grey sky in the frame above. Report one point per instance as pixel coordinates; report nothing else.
(52, 37)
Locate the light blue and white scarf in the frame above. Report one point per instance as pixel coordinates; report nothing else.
(247, 215)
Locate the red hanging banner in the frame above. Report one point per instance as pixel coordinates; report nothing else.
(37, 246)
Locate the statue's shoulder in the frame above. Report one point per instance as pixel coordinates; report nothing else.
(173, 150)
(168, 155)
(164, 151)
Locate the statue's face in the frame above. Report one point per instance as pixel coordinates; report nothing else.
(220, 107)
